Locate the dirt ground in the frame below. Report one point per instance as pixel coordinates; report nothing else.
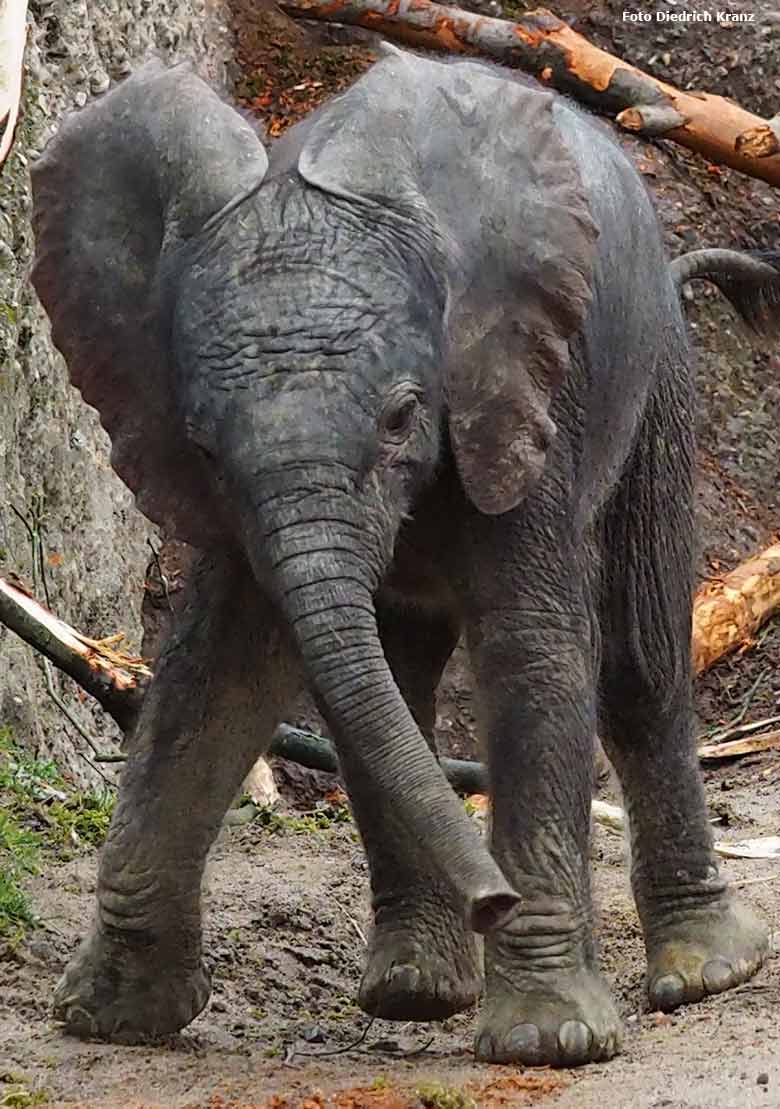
(286, 913)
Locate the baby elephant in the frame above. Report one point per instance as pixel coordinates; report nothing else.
(421, 372)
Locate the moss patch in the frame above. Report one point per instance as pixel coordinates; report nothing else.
(40, 817)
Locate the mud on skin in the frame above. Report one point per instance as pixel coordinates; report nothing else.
(395, 402)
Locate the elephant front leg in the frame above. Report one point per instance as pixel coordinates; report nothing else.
(422, 959)
(533, 648)
(219, 692)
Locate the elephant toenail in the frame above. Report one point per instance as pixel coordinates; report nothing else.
(403, 979)
(485, 1048)
(524, 1044)
(717, 975)
(575, 1040)
(668, 991)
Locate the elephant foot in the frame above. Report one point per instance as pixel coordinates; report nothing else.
(114, 989)
(702, 952)
(421, 972)
(553, 1019)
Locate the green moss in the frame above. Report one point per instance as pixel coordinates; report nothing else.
(19, 854)
(40, 816)
(20, 1096)
(515, 9)
(317, 820)
(436, 1096)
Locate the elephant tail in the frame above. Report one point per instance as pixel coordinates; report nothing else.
(750, 280)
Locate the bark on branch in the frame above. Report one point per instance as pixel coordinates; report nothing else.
(543, 45)
(117, 682)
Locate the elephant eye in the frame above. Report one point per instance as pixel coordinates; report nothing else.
(399, 416)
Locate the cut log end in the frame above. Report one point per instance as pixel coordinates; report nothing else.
(757, 142)
(651, 119)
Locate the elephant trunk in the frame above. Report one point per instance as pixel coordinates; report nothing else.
(325, 585)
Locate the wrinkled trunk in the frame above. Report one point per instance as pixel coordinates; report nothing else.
(324, 569)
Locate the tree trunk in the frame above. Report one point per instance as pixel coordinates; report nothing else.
(542, 44)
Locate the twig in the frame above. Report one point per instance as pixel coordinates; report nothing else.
(360, 933)
(756, 881)
(161, 576)
(743, 710)
(292, 1052)
(742, 729)
(415, 1050)
(736, 748)
(99, 756)
(35, 528)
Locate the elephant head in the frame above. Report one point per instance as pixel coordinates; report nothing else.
(278, 351)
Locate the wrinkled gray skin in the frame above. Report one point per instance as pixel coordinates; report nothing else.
(424, 374)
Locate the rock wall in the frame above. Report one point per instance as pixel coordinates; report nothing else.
(54, 467)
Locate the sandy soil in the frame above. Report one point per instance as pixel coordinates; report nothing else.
(285, 915)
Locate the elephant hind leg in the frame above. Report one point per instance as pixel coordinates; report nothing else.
(222, 684)
(422, 959)
(699, 940)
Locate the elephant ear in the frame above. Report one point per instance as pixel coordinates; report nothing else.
(123, 184)
(479, 153)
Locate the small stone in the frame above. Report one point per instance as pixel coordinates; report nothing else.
(99, 82)
(763, 1079)
(313, 1034)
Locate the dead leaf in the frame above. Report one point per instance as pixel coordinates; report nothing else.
(520, 1088)
(337, 798)
(369, 1098)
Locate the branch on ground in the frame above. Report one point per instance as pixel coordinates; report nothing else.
(117, 681)
(543, 45)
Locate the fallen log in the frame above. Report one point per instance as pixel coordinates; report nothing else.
(728, 611)
(318, 753)
(543, 45)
